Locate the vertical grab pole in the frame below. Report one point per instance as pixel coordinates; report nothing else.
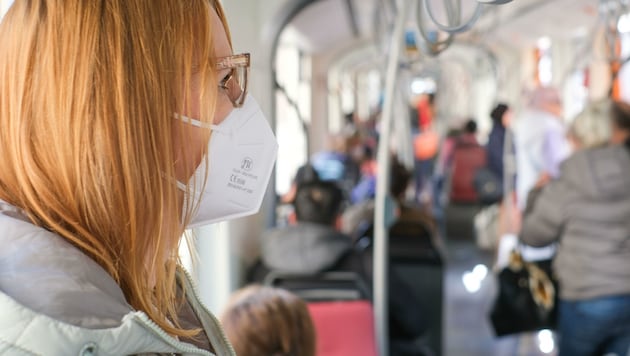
(381, 250)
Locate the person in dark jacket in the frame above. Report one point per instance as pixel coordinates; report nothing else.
(314, 245)
(501, 116)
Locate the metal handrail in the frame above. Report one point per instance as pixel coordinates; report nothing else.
(381, 247)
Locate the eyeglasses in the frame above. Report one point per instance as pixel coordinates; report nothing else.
(235, 83)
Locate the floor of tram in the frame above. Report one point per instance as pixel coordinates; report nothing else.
(470, 290)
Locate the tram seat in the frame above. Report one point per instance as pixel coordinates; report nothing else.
(344, 328)
(419, 263)
(326, 286)
(339, 303)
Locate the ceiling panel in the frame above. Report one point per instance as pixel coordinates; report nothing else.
(326, 25)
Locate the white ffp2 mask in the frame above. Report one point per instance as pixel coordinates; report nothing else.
(241, 154)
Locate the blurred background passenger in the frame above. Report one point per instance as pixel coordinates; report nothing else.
(619, 114)
(426, 144)
(411, 221)
(592, 127)
(501, 119)
(366, 187)
(335, 162)
(313, 244)
(586, 212)
(467, 157)
(305, 173)
(469, 133)
(404, 217)
(540, 141)
(268, 321)
(442, 167)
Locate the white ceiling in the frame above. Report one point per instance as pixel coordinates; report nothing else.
(522, 22)
(325, 25)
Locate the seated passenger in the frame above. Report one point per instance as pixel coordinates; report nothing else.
(314, 245)
(408, 219)
(306, 173)
(335, 164)
(411, 221)
(586, 211)
(268, 321)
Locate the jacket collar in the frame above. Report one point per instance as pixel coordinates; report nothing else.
(48, 275)
(55, 289)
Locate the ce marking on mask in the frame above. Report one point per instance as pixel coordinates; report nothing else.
(240, 178)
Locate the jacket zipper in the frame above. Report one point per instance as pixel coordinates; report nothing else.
(216, 322)
(180, 346)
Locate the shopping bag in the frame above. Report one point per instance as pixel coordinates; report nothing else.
(486, 223)
(488, 186)
(527, 297)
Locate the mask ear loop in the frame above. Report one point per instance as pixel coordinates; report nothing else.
(203, 125)
(214, 128)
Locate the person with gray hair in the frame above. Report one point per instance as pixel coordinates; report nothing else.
(541, 146)
(585, 211)
(591, 127)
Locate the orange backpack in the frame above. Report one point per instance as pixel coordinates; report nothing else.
(426, 144)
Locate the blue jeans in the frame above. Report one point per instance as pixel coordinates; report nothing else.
(595, 327)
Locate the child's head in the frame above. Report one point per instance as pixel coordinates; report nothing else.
(269, 321)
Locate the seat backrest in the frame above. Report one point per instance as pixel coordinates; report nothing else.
(424, 275)
(418, 262)
(415, 241)
(326, 286)
(344, 328)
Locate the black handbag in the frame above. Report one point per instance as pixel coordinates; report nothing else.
(488, 186)
(527, 298)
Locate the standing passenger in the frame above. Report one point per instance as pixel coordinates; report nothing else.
(586, 211)
(467, 158)
(107, 109)
(620, 123)
(592, 127)
(540, 142)
(501, 118)
(426, 145)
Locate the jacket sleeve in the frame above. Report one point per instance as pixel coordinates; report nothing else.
(544, 216)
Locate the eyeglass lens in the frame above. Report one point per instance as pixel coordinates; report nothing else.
(236, 85)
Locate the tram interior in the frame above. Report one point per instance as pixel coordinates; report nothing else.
(322, 71)
(331, 72)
